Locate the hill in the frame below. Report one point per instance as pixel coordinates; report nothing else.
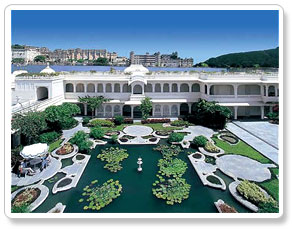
(263, 58)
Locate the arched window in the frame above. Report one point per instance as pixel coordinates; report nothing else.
(137, 89)
(174, 110)
(174, 87)
(165, 110)
(184, 109)
(157, 110)
(99, 88)
(117, 88)
(184, 88)
(69, 87)
(108, 87)
(90, 87)
(195, 87)
(157, 87)
(271, 91)
(249, 90)
(80, 87)
(166, 87)
(108, 111)
(117, 110)
(126, 88)
(148, 88)
(221, 90)
(100, 111)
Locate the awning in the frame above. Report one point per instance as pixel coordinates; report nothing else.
(35, 150)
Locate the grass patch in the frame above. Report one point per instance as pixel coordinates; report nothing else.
(240, 149)
(272, 187)
(55, 145)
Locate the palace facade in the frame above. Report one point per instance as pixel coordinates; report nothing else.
(172, 93)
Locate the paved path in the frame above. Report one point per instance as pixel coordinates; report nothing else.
(255, 141)
(266, 131)
(196, 131)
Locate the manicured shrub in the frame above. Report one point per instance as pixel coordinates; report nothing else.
(49, 137)
(179, 123)
(118, 120)
(86, 120)
(253, 193)
(175, 137)
(97, 132)
(81, 140)
(68, 123)
(114, 138)
(156, 120)
(268, 207)
(209, 114)
(200, 141)
(101, 122)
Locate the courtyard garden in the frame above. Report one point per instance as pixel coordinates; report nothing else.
(184, 166)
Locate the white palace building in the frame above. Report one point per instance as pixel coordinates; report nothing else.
(172, 93)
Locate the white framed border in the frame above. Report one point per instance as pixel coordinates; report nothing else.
(7, 111)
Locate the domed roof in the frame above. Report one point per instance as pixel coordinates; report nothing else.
(18, 72)
(136, 69)
(48, 69)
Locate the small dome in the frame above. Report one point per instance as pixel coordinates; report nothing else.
(18, 72)
(48, 70)
(136, 69)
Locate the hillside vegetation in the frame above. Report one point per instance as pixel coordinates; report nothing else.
(263, 58)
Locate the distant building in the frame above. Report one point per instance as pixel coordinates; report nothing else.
(27, 53)
(158, 60)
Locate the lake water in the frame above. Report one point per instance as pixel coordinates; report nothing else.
(59, 68)
(136, 196)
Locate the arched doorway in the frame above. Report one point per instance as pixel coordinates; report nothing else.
(127, 111)
(42, 93)
(81, 106)
(137, 90)
(184, 109)
(137, 113)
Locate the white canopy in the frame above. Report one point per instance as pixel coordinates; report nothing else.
(34, 150)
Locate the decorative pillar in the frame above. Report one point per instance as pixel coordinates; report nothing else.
(103, 85)
(85, 88)
(235, 112)
(85, 109)
(267, 90)
(262, 112)
(74, 87)
(276, 91)
(235, 90)
(96, 112)
(132, 112)
(113, 111)
(178, 87)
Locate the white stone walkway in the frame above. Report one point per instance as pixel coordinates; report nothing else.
(254, 141)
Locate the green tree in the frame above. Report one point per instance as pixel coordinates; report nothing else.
(18, 60)
(93, 102)
(174, 55)
(97, 132)
(81, 140)
(61, 116)
(40, 58)
(101, 61)
(30, 124)
(17, 46)
(145, 107)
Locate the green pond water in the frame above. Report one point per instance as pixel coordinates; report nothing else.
(137, 194)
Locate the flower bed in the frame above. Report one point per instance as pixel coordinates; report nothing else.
(25, 197)
(211, 148)
(156, 120)
(153, 139)
(225, 208)
(64, 182)
(67, 148)
(100, 196)
(179, 123)
(111, 133)
(229, 137)
(163, 133)
(113, 156)
(80, 157)
(122, 139)
(197, 156)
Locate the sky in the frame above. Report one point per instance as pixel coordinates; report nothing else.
(197, 34)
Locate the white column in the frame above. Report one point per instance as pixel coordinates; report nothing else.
(103, 85)
(178, 87)
(85, 88)
(276, 91)
(74, 87)
(85, 109)
(95, 112)
(208, 89)
(262, 112)
(132, 112)
(235, 90)
(267, 90)
(235, 112)
(112, 111)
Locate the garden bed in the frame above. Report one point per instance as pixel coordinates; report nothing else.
(64, 182)
(25, 197)
(213, 179)
(67, 148)
(229, 137)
